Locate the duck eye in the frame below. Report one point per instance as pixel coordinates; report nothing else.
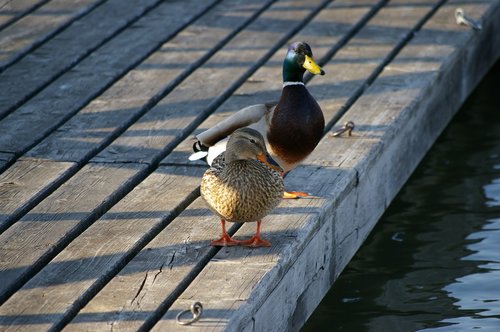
(253, 141)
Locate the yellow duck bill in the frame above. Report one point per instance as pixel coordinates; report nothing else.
(312, 66)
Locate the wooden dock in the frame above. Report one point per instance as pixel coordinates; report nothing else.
(101, 223)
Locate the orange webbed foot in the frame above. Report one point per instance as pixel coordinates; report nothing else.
(225, 240)
(255, 242)
(294, 194)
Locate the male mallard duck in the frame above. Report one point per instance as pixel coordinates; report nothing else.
(242, 185)
(291, 128)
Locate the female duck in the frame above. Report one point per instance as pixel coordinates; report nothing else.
(291, 128)
(242, 185)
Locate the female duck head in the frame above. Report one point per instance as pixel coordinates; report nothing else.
(298, 59)
(246, 144)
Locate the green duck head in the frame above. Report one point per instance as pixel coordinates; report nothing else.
(298, 59)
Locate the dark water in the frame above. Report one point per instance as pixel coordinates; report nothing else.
(432, 263)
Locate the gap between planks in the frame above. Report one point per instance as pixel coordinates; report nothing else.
(31, 35)
(17, 208)
(37, 70)
(266, 311)
(118, 305)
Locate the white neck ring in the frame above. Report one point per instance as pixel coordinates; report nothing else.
(285, 84)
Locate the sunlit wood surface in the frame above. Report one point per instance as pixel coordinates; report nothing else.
(101, 223)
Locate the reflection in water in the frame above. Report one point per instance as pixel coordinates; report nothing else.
(433, 261)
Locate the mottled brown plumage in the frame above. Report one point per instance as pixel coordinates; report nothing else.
(240, 188)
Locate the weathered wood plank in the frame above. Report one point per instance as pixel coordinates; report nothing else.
(172, 118)
(345, 73)
(21, 183)
(119, 297)
(41, 66)
(401, 115)
(391, 126)
(344, 173)
(13, 10)
(154, 274)
(368, 178)
(83, 135)
(173, 188)
(114, 299)
(39, 25)
(77, 140)
(100, 249)
(232, 274)
(66, 95)
(30, 242)
(5, 159)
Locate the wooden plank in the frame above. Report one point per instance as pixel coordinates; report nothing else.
(40, 67)
(232, 275)
(154, 274)
(37, 26)
(5, 159)
(342, 200)
(117, 305)
(64, 145)
(99, 250)
(10, 11)
(353, 191)
(65, 96)
(396, 118)
(123, 313)
(20, 184)
(83, 135)
(346, 72)
(172, 118)
(78, 139)
(83, 271)
(27, 244)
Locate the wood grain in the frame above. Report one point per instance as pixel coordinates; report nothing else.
(83, 271)
(35, 237)
(194, 97)
(10, 9)
(35, 70)
(82, 260)
(137, 290)
(100, 248)
(94, 126)
(20, 183)
(57, 102)
(369, 178)
(38, 25)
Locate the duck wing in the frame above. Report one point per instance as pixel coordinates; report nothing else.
(243, 118)
(212, 142)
